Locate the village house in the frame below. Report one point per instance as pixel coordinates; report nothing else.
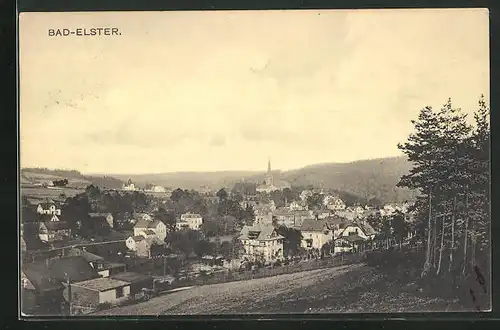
(137, 282)
(51, 229)
(297, 206)
(315, 233)
(72, 268)
(358, 228)
(129, 186)
(334, 203)
(292, 219)
(157, 189)
(89, 294)
(98, 263)
(305, 194)
(321, 214)
(103, 217)
(387, 210)
(191, 221)
(41, 292)
(261, 242)
(48, 207)
(140, 245)
(138, 216)
(263, 219)
(248, 203)
(157, 226)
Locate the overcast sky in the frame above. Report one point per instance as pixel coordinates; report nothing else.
(207, 91)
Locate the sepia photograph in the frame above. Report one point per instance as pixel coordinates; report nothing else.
(254, 162)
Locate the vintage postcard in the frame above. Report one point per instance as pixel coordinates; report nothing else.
(254, 162)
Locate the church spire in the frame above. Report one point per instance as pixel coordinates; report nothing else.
(268, 165)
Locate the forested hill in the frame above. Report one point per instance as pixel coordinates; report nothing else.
(374, 178)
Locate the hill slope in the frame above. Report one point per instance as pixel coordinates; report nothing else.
(33, 176)
(375, 178)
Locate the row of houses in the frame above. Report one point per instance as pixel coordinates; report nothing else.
(262, 241)
(149, 231)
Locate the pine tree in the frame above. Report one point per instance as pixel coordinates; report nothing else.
(422, 150)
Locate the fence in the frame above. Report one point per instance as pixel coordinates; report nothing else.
(231, 276)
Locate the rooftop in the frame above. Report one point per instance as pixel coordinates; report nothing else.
(314, 225)
(259, 232)
(101, 284)
(131, 277)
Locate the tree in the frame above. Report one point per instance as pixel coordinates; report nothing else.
(222, 194)
(93, 192)
(421, 149)
(451, 171)
(168, 218)
(177, 194)
(204, 247)
(184, 241)
(315, 201)
(292, 240)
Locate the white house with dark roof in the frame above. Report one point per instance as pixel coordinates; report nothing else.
(261, 242)
(51, 229)
(359, 228)
(48, 207)
(90, 294)
(191, 221)
(315, 233)
(157, 226)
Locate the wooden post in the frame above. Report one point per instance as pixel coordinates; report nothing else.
(68, 282)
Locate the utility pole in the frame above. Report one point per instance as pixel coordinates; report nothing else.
(68, 282)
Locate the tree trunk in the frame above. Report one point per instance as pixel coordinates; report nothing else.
(466, 234)
(427, 264)
(452, 248)
(434, 244)
(442, 245)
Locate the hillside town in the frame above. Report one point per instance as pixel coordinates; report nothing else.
(109, 247)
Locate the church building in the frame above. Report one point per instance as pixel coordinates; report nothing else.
(270, 184)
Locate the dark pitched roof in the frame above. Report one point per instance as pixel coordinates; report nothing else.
(367, 228)
(335, 220)
(89, 257)
(259, 232)
(353, 238)
(131, 277)
(314, 225)
(75, 267)
(146, 223)
(41, 277)
(56, 225)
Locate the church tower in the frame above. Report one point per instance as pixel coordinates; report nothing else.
(269, 176)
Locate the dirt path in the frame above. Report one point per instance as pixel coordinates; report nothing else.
(227, 297)
(347, 289)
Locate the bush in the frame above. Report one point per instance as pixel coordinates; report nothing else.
(103, 306)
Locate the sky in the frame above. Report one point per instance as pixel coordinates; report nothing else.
(220, 90)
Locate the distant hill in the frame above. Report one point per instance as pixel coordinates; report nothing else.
(35, 176)
(188, 180)
(375, 178)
